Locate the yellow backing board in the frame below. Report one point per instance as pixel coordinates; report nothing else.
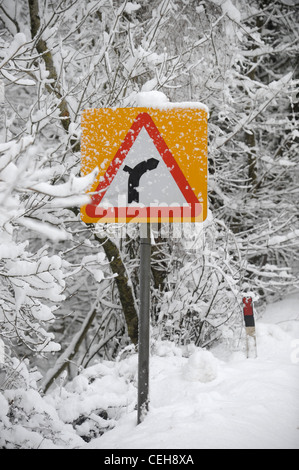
(179, 135)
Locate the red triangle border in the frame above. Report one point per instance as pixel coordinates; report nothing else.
(142, 120)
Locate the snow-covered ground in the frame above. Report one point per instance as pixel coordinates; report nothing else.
(219, 399)
(198, 399)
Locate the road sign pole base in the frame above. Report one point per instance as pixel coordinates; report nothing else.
(144, 322)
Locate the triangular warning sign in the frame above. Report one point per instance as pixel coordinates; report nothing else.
(143, 181)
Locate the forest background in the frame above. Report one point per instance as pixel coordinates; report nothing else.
(69, 291)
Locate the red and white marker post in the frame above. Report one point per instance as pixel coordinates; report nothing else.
(251, 346)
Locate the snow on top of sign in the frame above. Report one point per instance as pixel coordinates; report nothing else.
(157, 99)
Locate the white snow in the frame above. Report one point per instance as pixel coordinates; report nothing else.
(229, 9)
(202, 366)
(16, 80)
(130, 7)
(219, 399)
(74, 185)
(199, 399)
(18, 41)
(47, 230)
(158, 100)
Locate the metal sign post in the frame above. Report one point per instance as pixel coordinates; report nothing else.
(144, 322)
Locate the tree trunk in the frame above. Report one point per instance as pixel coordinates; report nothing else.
(43, 50)
(125, 291)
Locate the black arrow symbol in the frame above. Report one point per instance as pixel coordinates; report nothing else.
(135, 175)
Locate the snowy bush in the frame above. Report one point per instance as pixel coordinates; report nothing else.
(201, 366)
(201, 301)
(27, 421)
(31, 284)
(71, 414)
(32, 281)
